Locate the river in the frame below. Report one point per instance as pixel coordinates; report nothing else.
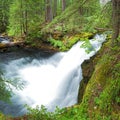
(51, 79)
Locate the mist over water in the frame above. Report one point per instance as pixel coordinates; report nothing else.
(52, 81)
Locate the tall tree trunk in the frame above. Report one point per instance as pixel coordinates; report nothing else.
(116, 20)
(21, 20)
(63, 5)
(25, 19)
(26, 22)
(49, 14)
(55, 8)
(3, 16)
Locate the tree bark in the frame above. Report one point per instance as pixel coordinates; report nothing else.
(48, 14)
(55, 8)
(3, 15)
(26, 23)
(21, 20)
(63, 5)
(116, 20)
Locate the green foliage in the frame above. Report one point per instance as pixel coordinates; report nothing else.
(87, 45)
(33, 36)
(23, 17)
(105, 16)
(41, 113)
(107, 75)
(102, 94)
(101, 99)
(65, 44)
(59, 28)
(2, 117)
(103, 102)
(68, 41)
(71, 41)
(118, 40)
(4, 14)
(14, 19)
(107, 98)
(80, 16)
(7, 86)
(56, 43)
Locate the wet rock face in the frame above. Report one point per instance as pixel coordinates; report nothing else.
(4, 40)
(88, 68)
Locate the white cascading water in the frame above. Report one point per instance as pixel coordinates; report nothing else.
(104, 2)
(51, 82)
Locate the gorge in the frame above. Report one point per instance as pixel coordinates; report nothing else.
(50, 79)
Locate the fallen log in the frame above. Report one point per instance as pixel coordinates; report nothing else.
(102, 29)
(11, 44)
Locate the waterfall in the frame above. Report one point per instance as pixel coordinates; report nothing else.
(103, 2)
(51, 82)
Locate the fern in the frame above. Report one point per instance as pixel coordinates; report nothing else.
(87, 45)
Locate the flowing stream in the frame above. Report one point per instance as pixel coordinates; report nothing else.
(51, 79)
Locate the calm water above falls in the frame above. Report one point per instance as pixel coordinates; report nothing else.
(50, 81)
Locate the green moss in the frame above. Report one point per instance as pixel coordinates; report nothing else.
(2, 117)
(102, 94)
(102, 70)
(101, 100)
(68, 41)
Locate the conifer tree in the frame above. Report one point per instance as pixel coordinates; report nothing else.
(116, 20)
(4, 14)
(7, 86)
(48, 11)
(24, 15)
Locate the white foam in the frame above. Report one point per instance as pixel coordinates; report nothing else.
(55, 81)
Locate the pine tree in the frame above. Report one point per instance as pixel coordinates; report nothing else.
(48, 11)
(63, 5)
(116, 20)
(4, 14)
(24, 15)
(7, 86)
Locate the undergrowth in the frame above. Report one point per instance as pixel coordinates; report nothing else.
(101, 100)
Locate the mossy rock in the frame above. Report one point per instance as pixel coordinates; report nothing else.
(102, 93)
(69, 41)
(86, 35)
(87, 68)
